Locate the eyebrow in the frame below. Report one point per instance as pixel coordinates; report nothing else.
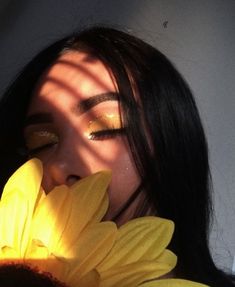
(82, 107)
(89, 103)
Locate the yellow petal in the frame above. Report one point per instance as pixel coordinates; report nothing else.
(62, 210)
(92, 190)
(89, 204)
(91, 247)
(37, 250)
(58, 267)
(91, 279)
(7, 253)
(132, 274)
(23, 185)
(13, 217)
(172, 283)
(26, 180)
(51, 217)
(169, 258)
(139, 239)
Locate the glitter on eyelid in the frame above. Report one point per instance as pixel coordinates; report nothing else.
(39, 138)
(104, 122)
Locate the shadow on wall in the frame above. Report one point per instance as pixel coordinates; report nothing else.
(9, 12)
(28, 26)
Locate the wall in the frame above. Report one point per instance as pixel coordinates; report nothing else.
(198, 36)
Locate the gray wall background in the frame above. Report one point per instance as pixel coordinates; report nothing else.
(198, 36)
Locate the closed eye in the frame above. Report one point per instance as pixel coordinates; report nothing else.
(35, 151)
(104, 127)
(38, 141)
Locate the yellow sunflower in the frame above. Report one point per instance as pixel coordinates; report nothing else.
(61, 233)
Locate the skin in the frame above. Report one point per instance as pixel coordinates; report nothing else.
(60, 130)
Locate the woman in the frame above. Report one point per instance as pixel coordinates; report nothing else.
(105, 99)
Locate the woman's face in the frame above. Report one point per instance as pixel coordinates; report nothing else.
(73, 126)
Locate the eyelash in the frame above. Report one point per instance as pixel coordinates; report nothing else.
(34, 151)
(106, 134)
(96, 136)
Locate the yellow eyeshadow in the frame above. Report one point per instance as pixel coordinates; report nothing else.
(39, 139)
(104, 122)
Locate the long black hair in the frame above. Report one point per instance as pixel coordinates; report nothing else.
(164, 131)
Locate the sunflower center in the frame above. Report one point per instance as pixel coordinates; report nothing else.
(12, 275)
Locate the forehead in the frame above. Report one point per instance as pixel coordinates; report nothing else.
(77, 74)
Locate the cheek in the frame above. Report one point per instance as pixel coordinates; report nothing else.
(125, 181)
(112, 154)
(125, 178)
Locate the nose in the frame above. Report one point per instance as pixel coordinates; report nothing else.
(71, 179)
(58, 171)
